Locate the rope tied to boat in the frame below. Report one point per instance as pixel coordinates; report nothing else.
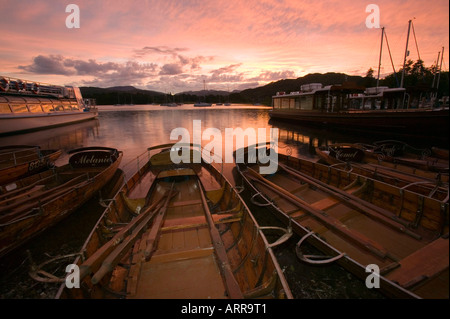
(347, 166)
(37, 273)
(254, 201)
(314, 259)
(285, 237)
(239, 189)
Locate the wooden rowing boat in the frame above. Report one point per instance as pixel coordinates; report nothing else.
(359, 222)
(398, 152)
(32, 204)
(178, 231)
(17, 161)
(440, 153)
(422, 174)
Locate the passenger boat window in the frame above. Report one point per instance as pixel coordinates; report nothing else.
(297, 103)
(291, 103)
(16, 99)
(75, 106)
(19, 108)
(285, 103)
(47, 107)
(66, 106)
(306, 103)
(319, 102)
(356, 104)
(4, 108)
(35, 108)
(276, 103)
(59, 107)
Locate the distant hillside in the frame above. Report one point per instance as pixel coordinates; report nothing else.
(206, 92)
(262, 94)
(122, 95)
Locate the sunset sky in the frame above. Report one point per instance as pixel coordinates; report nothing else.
(172, 46)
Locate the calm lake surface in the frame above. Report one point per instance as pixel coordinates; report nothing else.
(134, 128)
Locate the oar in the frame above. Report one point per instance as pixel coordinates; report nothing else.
(151, 240)
(94, 261)
(233, 288)
(11, 195)
(31, 208)
(116, 255)
(43, 196)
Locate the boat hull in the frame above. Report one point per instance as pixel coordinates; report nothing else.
(32, 122)
(411, 122)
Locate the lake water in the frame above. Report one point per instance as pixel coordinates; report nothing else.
(132, 129)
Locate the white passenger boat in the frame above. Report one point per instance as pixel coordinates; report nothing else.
(27, 106)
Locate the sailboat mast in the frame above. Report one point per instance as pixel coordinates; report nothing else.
(440, 68)
(436, 69)
(204, 90)
(406, 53)
(379, 62)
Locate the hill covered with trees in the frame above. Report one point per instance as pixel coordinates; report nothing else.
(417, 77)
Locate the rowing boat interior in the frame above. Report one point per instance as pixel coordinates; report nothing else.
(420, 179)
(201, 242)
(14, 156)
(403, 233)
(19, 161)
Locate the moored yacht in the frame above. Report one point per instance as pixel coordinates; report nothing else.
(352, 107)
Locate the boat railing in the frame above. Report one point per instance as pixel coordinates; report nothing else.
(90, 104)
(14, 155)
(135, 164)
(15, 85)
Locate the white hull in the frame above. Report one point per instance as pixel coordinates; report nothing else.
(29, 122)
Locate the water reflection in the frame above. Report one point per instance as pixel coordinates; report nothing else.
(302, 140)
(132, 129)
(64, 138)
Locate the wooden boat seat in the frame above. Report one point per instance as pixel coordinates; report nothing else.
(425, 263)
(141, 188)
(325, 203)
(197, 221)
(209, 183)
(322, 204)
(296, 191)
(186, 203)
